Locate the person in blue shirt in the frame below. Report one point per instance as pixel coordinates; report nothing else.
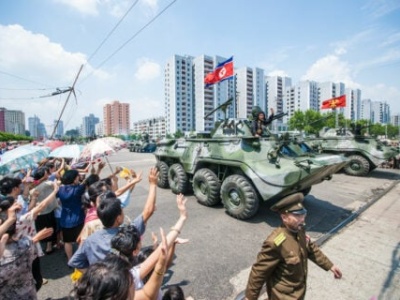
(111, 214)
(72, 213)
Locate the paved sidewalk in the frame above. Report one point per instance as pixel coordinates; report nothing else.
(368, 252)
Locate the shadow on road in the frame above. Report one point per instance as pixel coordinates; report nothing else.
(54, 266)
(322, 215)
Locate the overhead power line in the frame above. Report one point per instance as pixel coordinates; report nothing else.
(131, 38)
(112, 30)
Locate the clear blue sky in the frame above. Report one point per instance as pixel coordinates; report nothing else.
(44, 42)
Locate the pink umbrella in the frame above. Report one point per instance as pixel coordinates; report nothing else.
(53, 144)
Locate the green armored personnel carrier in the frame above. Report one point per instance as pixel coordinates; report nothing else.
(143, 145)
(233, 166)
(364, 153)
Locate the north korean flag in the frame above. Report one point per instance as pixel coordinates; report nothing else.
(223, 71)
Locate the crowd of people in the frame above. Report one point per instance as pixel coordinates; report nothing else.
(56, 206)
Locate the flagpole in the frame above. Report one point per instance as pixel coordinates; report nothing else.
(336, 118)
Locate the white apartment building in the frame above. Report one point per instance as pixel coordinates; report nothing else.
(352, 110)
(365, 109)
(380, 112)
(204, 97)
(275, 91)
(154, 127)
(329, 90)
(13, 121)
(302, 96)
(259, 89)
(245, 96)
(99, 128)
(179, 94)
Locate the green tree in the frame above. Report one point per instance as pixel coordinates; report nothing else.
(178, 134)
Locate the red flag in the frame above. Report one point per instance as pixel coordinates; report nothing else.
(334, 102)
(223, 71)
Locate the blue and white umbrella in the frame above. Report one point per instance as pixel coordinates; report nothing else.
(22, 157)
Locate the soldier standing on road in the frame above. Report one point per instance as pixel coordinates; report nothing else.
(282, 261)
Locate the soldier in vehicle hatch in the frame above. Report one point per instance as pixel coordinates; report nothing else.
(260, 122)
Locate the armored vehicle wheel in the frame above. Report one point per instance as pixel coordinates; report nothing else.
(358, 166)
(206, 187)
(177, 179)
(239, 197)
(162, 181)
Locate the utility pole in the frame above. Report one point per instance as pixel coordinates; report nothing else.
(66, 101)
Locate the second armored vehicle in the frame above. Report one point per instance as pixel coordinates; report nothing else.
(143, 145)
(364, 153)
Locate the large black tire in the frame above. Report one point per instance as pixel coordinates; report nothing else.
(177, 179)
(239, 197)
(206, 187)
(162, 174)
(358, 166)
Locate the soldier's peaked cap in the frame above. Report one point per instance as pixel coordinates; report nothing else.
(291, 203)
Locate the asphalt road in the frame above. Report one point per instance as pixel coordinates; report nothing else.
(221, 247)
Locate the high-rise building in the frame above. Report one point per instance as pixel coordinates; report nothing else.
(302, 96)
(36, 128)
(259, 89)
(99, 129)
(187, 100)
(221, 92)
(245, 92)
(380, 112)
(12, 121)
(59, 132)
(179, 96)
(275, 91)
(352, 110)
(365, 109)
(329, 90)
(154, 127)
(116, 118)
(88, 125)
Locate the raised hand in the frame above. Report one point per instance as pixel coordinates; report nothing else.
(181, 203)
(153, 176)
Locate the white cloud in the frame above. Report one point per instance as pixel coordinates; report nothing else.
(114, 8)
(34, 63)
(147, 69)
(280, 73)
(87, 7)
(330, 68)
(152, 5)
(35, 57)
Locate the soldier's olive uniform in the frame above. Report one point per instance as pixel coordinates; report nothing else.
(282, 261)
(282, 264)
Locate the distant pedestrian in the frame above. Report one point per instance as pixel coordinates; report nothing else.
(282, 261)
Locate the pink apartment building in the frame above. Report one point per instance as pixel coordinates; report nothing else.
(116, 118)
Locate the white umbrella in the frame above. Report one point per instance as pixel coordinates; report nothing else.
(67, 151)
(98, 148)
